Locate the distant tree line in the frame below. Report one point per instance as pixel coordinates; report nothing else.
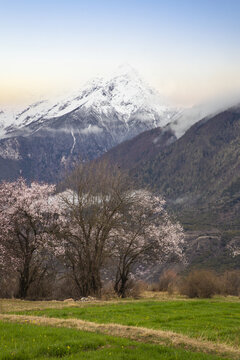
(199, 283)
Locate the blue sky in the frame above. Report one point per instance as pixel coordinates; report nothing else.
(188, 50)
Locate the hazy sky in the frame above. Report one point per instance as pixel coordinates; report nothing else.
(188, 49)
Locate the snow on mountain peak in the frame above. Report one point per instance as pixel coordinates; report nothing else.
(126, 70)
(123, 94)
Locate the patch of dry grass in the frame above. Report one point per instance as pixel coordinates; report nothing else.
(15, 305)
(165, 296)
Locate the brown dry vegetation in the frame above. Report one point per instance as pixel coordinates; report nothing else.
(15, 305)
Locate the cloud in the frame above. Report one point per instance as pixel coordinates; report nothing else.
(91, 129)
(190, 116)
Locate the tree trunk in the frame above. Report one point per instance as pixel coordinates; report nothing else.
(88, 282)
(24, 281)
(120, 285)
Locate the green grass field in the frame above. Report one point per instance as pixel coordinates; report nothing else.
(206, 319)
(216, 320)
(28, 342)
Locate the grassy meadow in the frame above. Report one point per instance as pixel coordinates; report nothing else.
(206, 319)
(163, 328)
(24, 341)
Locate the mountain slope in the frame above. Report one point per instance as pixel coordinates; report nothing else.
(203, 164)
(199, 170)
(132, 153)
(199, 175)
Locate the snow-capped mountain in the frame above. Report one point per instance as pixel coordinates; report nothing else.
(124, 98)
(40, 141)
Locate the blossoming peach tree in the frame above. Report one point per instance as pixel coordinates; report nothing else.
(147, 236)
(27, 217)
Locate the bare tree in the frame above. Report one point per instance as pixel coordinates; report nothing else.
(96, 196)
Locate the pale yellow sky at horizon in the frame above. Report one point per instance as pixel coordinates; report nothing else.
(177, 88)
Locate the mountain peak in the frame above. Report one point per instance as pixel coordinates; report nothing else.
(123, 96)
(126, 70)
